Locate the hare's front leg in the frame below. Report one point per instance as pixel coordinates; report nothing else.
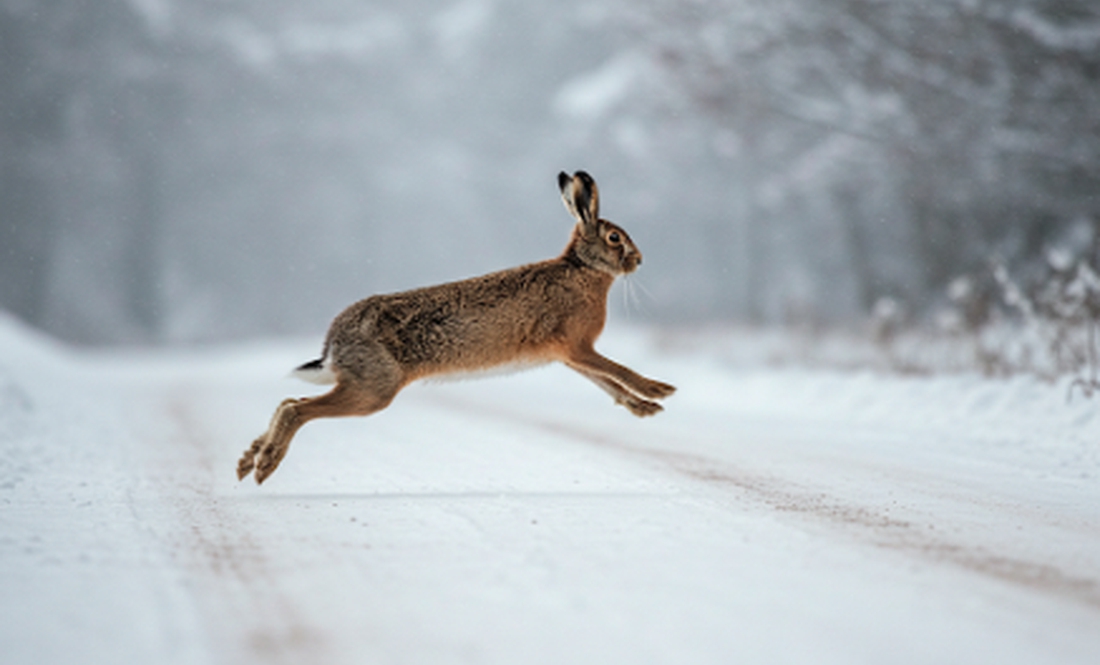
(638, 406)
(587, 361)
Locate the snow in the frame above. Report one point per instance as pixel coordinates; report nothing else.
(770, 515)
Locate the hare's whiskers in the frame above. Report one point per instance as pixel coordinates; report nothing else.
(635, 291)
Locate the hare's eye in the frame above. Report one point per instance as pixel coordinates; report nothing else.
(614, 238)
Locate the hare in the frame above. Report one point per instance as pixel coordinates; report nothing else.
(538, 313)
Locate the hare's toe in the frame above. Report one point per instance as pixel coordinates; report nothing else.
(268, 460)
(656, 389)
(643, 408)
(248, 459)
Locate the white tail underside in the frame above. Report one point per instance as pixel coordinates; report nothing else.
(322, 375)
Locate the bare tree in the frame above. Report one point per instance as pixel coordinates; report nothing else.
(976, 118)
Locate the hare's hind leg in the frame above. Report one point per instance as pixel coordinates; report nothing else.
(346, 399)
(588, 361)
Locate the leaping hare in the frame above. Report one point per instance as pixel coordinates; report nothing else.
(537, 313)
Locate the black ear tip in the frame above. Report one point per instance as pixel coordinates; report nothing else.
(584, 178)
(563, 180)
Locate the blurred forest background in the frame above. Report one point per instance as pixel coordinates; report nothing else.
(182, 171)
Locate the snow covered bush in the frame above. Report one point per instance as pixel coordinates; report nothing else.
(1048, 325)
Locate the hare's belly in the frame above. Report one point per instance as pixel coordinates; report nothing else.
(502, 369)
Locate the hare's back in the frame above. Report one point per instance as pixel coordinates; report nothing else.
(512, 317)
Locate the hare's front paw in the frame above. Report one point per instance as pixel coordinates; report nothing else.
(656, 389)
(641, 407)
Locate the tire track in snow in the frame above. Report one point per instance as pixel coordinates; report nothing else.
(867, 524)
(235, 571)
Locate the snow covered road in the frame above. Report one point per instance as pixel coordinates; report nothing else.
(767, 517)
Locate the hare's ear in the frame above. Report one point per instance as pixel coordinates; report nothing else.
(581, 197)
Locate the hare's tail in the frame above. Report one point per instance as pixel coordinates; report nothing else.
(316, 371)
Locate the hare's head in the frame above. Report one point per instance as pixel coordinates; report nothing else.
(596, 242)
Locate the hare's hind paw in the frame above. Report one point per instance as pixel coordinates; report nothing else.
(248, 459)
(244, 466)
(268, 460)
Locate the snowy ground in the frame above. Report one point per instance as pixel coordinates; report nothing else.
(769, 516)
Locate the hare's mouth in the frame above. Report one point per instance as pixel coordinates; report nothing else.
(631, 262)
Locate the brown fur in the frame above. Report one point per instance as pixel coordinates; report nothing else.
(542, 312)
